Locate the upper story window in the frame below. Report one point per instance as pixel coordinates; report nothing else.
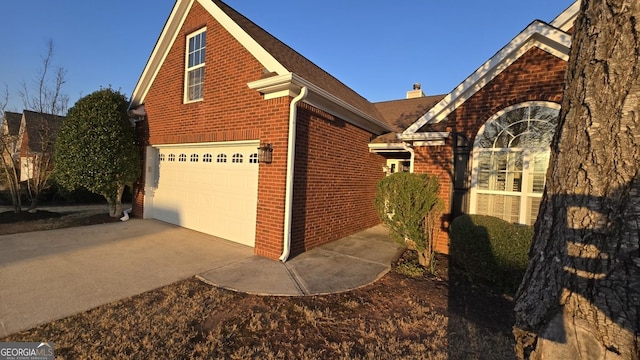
(194, 72)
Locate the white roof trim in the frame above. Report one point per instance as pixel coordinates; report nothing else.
(290, 85)
(160, 51)
(427, 136)
(170, 32)
(565, 20)
(387, 147)
(537, 34)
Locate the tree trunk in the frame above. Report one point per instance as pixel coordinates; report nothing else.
(424, 258)
(580, 296)
(115, 202)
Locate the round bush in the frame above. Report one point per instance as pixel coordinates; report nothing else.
(491, 249)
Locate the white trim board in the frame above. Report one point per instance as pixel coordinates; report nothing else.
(537, 34)
(170, 32)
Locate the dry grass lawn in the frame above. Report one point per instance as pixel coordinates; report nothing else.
(398, 317)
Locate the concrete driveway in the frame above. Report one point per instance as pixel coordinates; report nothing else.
(49, 275)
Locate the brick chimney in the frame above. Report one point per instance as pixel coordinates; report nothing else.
(416, 92)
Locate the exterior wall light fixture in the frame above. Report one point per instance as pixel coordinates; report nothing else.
(265, 153)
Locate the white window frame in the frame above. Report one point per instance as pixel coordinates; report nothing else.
(527, 154)
(188, 69)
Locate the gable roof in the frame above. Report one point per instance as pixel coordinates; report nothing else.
(538, 34)
(39, 127)
(283, 62)
(13, 122)
(567, 18)
(399, 114)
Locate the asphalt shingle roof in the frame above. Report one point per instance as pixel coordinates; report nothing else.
(13, 122)
(298, 64)
(39, 123)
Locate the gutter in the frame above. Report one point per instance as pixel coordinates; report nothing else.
(409, 148)
(289, 84)
(291, 153)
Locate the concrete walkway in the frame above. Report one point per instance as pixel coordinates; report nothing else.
(49, 275)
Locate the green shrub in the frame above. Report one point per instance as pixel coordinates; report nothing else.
(491, 249)
(408, 205)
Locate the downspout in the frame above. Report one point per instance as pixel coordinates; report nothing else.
(411, 151)
(291, 152)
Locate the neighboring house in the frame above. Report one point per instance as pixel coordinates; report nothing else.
(11, 139)
(248, 140)
(36, 141)
(9, 142)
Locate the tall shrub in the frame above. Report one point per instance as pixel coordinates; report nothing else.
(408, 205)
(96, 148)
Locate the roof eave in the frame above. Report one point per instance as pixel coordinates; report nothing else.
(170, 32)
(424, 136)
(537, 34)
(387, 147)
(565, 20)
(160, 50)
(290, 85)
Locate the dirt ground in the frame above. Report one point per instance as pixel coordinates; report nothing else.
(407, 314)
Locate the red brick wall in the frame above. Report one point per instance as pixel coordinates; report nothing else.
(335, 180)
(536, 76)
(229, 111)
(438, 161)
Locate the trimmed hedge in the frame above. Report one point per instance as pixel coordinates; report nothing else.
(491, 249)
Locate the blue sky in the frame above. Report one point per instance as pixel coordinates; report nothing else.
(378, 48)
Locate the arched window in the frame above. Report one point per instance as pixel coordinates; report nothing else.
(510, 160)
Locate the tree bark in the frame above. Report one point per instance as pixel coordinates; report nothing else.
(580, 296)
(115, 201)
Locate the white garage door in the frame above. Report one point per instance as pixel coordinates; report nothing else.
(212, 189)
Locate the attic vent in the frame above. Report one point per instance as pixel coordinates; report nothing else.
(416, 92)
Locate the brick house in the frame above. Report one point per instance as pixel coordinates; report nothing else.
(246, 139)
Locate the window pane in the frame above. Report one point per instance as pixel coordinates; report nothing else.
(533, 206)
(516, 136)
(502, 206)
(195, 84)
(195, 69)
